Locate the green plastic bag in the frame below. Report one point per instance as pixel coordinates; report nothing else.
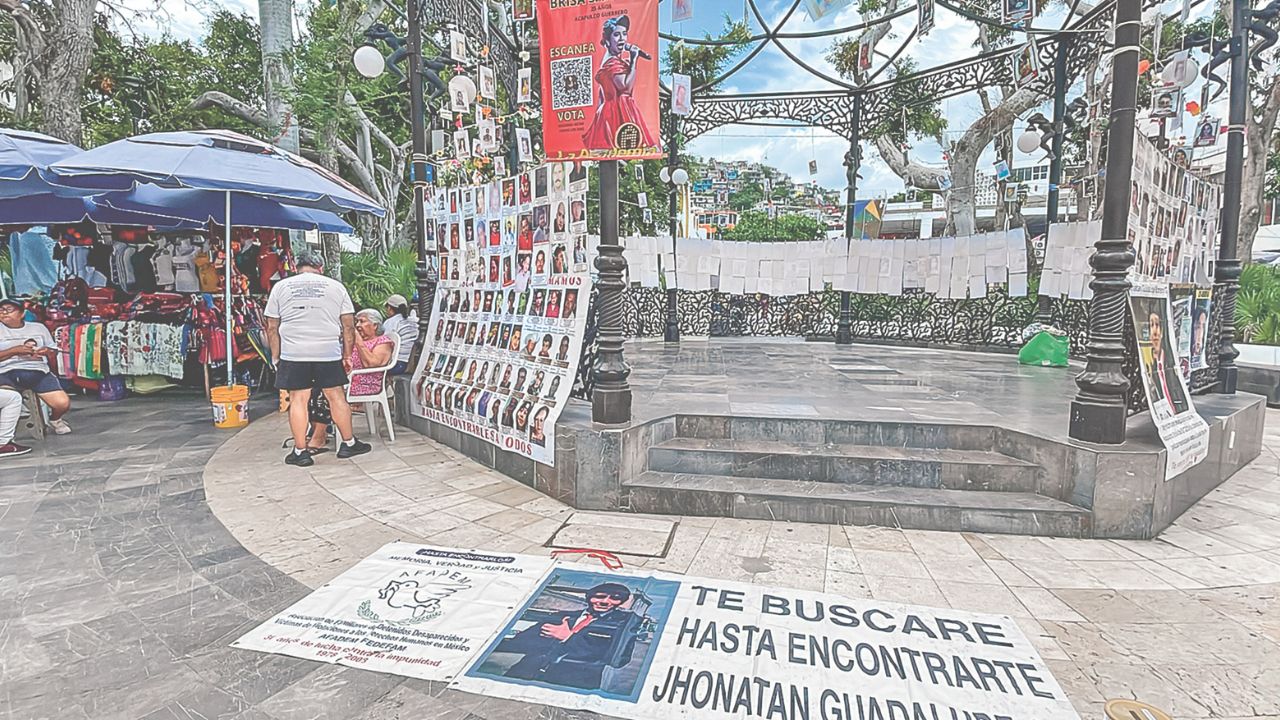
(1045, 349)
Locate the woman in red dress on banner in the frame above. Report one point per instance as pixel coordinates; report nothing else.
(616, 80)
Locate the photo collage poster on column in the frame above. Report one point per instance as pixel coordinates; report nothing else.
(1184, 433)
(1173, 218)
(510, 310)
(1173, 225)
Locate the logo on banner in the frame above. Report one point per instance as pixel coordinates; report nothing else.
(414, 598)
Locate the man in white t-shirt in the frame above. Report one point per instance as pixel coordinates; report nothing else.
(25, 350)
(311, 332)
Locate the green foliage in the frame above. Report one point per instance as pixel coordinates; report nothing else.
(630, 214)
(371, 279)
(703, 63)
(1271, 187)
(141, 84)
(1258, 305)
(750, 195)
(755, 226)
(922, 119)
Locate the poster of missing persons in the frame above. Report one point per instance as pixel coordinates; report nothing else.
(502, 349)
(1173, 218)
(652, 646)
(1184, 433)
(407, 609)
(1190, 306)
(600, 79)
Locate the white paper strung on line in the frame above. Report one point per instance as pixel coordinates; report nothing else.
(407, 609)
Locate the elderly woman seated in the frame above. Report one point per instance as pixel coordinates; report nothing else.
(372, 349)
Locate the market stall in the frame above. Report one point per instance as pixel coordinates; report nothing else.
(150, 259)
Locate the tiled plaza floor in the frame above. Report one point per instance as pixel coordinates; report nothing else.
(135, 550)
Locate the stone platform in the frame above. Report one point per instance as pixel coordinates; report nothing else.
(869, 435)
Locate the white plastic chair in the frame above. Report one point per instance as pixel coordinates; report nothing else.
(380, 398)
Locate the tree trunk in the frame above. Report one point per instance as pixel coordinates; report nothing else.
(962, 202)
(61, 81)
(276, 18)
(1259, 144)
(327, 144)
(56, 58)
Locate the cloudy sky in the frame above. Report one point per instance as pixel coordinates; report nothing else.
(785, 148)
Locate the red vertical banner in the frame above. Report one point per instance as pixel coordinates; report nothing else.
(599, 79)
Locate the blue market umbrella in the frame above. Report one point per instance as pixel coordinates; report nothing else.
(206, 206)
(212, 160)
(219, 160)
(24, 157)
(50, 209)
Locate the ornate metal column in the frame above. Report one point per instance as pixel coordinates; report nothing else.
(426, 270)
(1100, 410)
(671, 333)
(1044, 306)
(852, 161)
(611, 397)
(1226, 275)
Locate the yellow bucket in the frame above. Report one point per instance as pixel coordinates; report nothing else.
(230, 406)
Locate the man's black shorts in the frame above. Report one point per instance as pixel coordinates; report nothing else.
(301, 375)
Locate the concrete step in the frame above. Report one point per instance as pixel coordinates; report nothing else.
(846, 463)
(838, 432)
(843, 504)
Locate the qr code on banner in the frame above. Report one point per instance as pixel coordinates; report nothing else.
(571, 82)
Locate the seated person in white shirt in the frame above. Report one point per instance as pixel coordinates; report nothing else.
(10, 412)
(25, 350)
(403, 321)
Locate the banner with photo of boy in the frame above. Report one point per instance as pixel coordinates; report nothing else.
(507, 323)
(1184, 433)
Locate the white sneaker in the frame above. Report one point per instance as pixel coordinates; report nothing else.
(60, 427)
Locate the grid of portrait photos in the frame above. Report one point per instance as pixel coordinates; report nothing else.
(507, 326)
(1173, 217)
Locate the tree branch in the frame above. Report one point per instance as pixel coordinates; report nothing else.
(240, 109)
(914, 174)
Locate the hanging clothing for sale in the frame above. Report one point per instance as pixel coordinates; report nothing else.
(62, 338)
(184, 270)
(34, 269)
(122, 265)
(144, 271)
(208, 273)
(79, 266)
(163, 262)
(100, 259)
(270, 267)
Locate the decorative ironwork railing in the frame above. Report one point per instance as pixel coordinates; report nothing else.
(995, 322)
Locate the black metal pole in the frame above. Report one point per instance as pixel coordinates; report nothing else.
(671, 333)
(1044, 303)
(426, 271)
(1059, 113)
(1226, 275)
(611, 395)
(844, 325)
(1100, 409)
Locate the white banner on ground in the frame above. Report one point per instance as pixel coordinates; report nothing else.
(657, 646)
(1184, 433)
(406, 609)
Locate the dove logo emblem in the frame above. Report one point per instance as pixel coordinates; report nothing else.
(414, 597)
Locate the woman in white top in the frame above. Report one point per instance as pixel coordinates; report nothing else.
(403, 321)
